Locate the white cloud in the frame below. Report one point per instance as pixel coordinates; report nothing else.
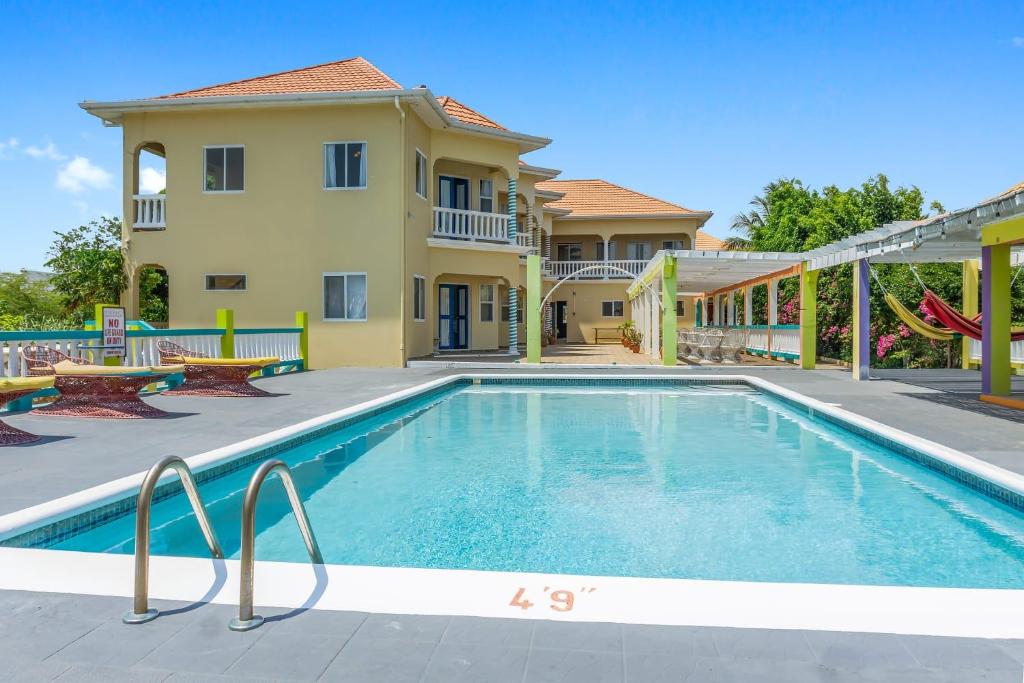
(8, 144)
(48, 152)
(1017, 41)
(80, 174)
(152, 180)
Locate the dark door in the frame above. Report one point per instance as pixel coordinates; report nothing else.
(453, 193)
(559, 309)
(453, 317)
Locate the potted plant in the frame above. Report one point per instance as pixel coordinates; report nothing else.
(625, 330)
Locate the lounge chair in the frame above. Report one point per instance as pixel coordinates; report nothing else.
(11, 389)
(710, 347)
(86, 390)
(734, 344)
(205, 376)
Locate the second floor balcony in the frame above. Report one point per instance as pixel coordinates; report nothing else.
(615, 269)
(471, 226)
(150, 211)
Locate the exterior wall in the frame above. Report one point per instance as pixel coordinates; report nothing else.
(584, 307)
(419, 336)
(483, 336)
(590, 242)
(284, 230)
(621, 227)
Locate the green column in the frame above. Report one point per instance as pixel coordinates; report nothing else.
(302, 320)
(533, 299)
(970, 307)
(669, 324)
(808, 317)
(226, 322)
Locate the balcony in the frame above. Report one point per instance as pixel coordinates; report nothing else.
(150, 211)
(598, 270)
(471, 226)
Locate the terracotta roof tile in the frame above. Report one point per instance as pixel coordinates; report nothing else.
(597, 198)
(706, 242)
(457, 110)
(346, 75)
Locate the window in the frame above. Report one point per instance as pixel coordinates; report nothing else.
(344, 296)
(421, 174)
(672, 245)
(611, 251)
(570, 252)
(504, 306)
(638, 251)
(344, 165)
(487, 196)
(225, 283)
(419, 298)
(680, 308)
(611, 309)
(225, 168)
(486, 303)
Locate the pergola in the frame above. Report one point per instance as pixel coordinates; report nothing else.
(991, 232)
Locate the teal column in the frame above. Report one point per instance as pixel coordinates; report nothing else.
(513, 295)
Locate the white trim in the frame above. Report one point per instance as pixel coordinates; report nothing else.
(878, 609)
(244, 164)
(366, 163)
(426, 174)
(415, 302)
(479, 246)
(480, 194)
(621, 302)
(243, 275)
(492, 302)
(323, 298)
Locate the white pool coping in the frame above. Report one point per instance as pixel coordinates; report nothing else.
(988, 613)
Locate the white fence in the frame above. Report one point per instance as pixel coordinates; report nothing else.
(598, 270)
(150, 211)
(266, 343)
(1016, 351)
(143, 350)
(76, 345)
(470, 225)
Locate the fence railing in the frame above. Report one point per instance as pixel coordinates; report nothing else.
(1016, 351)
(598, 270)
(470, 225)
(150, 211)
(284, 343)
(776, 341)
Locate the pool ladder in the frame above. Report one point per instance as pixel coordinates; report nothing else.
(246, 620)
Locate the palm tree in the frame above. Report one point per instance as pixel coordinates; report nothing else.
(747, 224)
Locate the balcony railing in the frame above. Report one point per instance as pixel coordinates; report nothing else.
(601, 270)
(150, 211)
(473, 226)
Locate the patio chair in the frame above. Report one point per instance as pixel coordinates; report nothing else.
(734, 344)
(86, 390)
(205, 376)
(683, 341)
(710, 347)
(12, 389)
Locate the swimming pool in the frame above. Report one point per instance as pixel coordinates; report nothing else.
(613, 479)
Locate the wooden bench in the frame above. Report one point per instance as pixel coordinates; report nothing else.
(606, 335)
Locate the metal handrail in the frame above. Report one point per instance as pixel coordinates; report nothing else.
(246, 620)
(141, 613)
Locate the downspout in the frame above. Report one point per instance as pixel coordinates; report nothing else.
(402, 228)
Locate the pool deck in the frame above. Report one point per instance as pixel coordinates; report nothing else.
(46, 636)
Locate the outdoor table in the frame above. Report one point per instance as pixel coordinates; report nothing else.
(220, 377)
(108, 396)
(11, 436)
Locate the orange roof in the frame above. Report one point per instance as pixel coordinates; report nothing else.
(599, 198)
(457, 110)
(706, 242)
(346, 75)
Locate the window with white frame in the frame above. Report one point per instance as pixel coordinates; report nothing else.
(224, 168)
(419, 298)
(638, 251)
(226, 283)
(570, 252)
(344, 296)
(486, 303)
(611, 309)
(672, 245)
(487, 196)
(611, 251)
(421, 174)
(344, 165)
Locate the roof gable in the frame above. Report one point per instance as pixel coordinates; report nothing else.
(601, 199)
(353, 74)
(457, 110)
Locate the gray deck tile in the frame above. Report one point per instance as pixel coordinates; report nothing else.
(104, 674)
(391, 660)
(574, 666)
(288, 656)
(15, 667)
(661, 666)
(573, 635)
(405, 627)
(856, 651)
(205, 645)
(475, 663)
(771, 645)
(117, 644)
(487, 631)
(965, 653)
(337, 624)
(690, 641)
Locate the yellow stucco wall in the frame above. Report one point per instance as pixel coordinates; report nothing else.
(589, 243)
(621, 227)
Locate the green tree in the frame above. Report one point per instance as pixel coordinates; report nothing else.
(88, 266)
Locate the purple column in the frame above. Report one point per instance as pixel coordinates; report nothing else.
(863, 332)
(986, 320)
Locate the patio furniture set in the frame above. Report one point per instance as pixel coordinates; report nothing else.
(713, 344)
(103, 391)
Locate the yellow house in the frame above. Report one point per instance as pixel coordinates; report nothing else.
(400, 220)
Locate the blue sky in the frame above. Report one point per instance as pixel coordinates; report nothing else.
(697, 103)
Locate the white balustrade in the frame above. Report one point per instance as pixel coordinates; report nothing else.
(150, 211)
(283, 345)
(598, 270)
(474, 226)
(12, 364)
(1016, 351)
(757, 339)
(786, 340)
(143, 350)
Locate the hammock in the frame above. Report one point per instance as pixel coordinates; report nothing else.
(952, 318)
(915, 323)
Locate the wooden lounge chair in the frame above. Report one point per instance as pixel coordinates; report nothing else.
(86, 390)
(205, 376)
(11, 389)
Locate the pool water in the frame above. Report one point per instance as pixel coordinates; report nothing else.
(690, 482)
